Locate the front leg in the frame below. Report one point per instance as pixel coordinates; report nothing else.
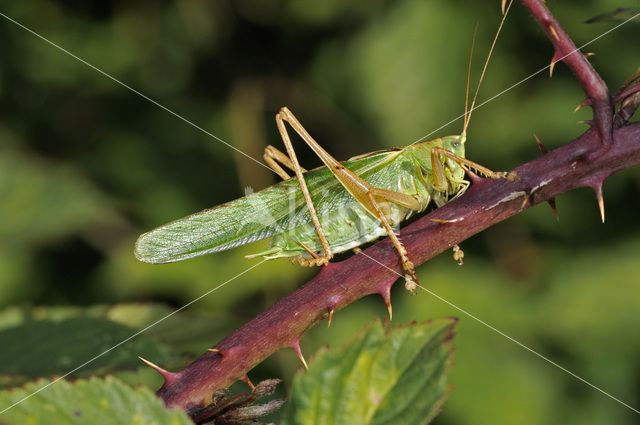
(438, 168)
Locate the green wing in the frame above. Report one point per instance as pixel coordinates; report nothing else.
(257, 216)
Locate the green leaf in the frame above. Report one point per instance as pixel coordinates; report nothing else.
(385, 376)
(191, 332)
(184, 330)
(96, 401)
(49, 341)
(45, 200)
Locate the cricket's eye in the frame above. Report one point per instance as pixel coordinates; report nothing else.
(455, 144)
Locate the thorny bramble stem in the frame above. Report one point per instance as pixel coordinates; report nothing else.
(592, 84)
(485, 204)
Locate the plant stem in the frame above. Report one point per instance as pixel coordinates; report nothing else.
(586, 161)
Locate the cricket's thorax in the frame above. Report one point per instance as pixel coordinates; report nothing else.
(348, 224)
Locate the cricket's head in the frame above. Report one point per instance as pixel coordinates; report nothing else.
(453, 171)
(454, 144)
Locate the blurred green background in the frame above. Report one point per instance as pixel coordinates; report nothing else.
(86, 166)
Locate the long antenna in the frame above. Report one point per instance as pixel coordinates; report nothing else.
(467, 117)
(467, 114)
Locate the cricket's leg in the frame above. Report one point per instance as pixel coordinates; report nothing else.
(411, 280)
(351, 181)
(440, 182)
(435, 163)
(295, 165)
(359, 189)
(273, 156)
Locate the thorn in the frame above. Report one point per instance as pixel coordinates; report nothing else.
(552, 204)
(473, 176)
(296, 347)
(553, 32)
(447, 220)
(169, 377)
(385, 293)
(589, 54)
(542, 147)
(215, 350)
(556, 57)
(441, 220)
(503, 6)
(586, 102)
(598, 190)
(247, 381)
(332, 303)
(525, 201)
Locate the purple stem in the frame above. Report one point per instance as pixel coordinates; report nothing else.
(586, 161)
(486, 203)
(593, 85)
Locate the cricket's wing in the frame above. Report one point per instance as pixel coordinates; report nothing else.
(234, 223)
(257, 216)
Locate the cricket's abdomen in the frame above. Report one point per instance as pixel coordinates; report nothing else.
(352, 226)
